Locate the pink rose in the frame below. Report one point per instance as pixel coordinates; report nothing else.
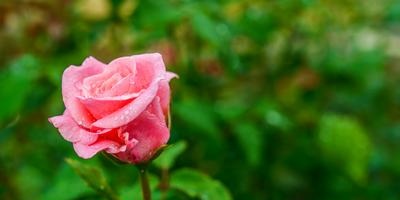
(120, 108)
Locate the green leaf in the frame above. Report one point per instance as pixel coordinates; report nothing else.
(29, 181)
(231, 108)
(156, 14)
(344, 141)
(277, 119)
(206, 28)
(196, 184)
(66, 185)
(250, 140)
(199, 116)
(94, 178)
(18, 79)
(168, 157)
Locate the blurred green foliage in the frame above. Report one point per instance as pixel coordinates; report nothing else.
(344, 141)
(169, 155)
(94, 178)
(277, 99)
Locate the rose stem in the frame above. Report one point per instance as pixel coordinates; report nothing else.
(144, 181)
(164, 183)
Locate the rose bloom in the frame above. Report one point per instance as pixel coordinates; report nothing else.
(120, 107)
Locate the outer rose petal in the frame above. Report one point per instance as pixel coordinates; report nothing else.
(71, 80)
(70, 131)
(149, 67)
(156, 109)
(150, 132)
(88, 151)
(123, 65)
(129, 112)
(150, 59)
(164, 91)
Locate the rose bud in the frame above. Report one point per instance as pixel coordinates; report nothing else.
(119, 108)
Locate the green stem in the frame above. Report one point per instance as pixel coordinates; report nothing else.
(164, 183)
(144, 181)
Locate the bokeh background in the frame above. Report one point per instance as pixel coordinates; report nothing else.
(277, 99)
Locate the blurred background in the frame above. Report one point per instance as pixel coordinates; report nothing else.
(277, 99)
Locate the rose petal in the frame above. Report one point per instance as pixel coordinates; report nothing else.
(148, 67)
(123, 87)
(100, 85)
(71, 131)
(130, 111)
(123, 65)
(88, 151)
(150, 59)
(71, 83)
(97, 87)
(155, 109)
(170, 75)
(164, 91)
(129, 144)
(100, 108)
(151, 132)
